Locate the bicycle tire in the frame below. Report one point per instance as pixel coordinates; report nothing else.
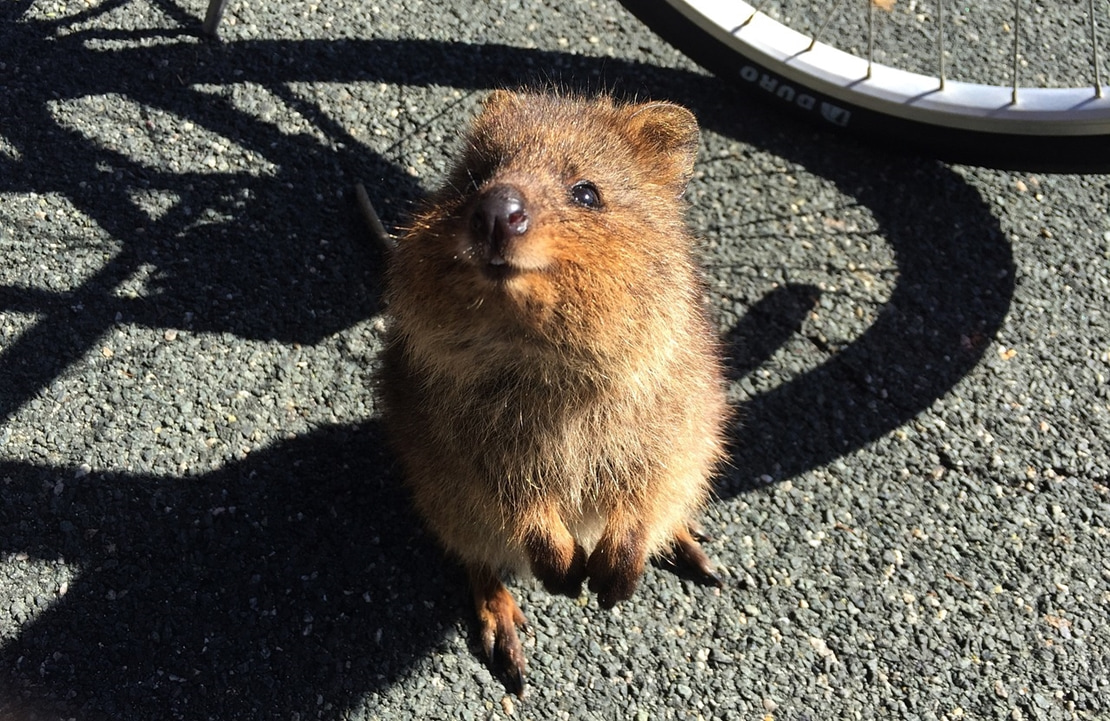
(1048, 130)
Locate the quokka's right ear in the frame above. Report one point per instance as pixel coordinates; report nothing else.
(499, 101)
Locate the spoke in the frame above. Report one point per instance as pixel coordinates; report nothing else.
(1017, 35)
(756, 9)
(870, 35)
(940, 42)
(824, 25)
(826, 17)
(1094, 50)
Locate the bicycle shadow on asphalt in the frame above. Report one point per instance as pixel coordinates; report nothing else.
(954, 287)
(294, 580)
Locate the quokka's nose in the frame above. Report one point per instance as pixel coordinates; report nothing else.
(499, 216)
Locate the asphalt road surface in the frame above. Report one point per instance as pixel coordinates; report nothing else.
(198, 519)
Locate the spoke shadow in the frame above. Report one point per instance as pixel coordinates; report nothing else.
(955, 283)
(221, 613)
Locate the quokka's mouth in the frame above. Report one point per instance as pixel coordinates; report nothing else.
(498, 269)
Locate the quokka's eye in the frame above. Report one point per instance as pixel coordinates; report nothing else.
(476, 175)
(585, 193)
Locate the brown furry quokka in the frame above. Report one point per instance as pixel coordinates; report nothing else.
(551, 383)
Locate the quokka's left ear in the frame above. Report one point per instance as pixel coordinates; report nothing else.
(668, 133)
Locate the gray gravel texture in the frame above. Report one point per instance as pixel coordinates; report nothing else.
(198, 519)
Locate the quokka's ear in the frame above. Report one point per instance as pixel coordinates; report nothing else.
(499, 101)
(668, 133)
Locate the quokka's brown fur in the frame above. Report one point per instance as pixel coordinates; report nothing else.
(551, 383)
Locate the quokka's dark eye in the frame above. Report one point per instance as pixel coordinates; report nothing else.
(585, 193)
(476, 175)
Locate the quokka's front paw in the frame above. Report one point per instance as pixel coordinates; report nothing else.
(566, 583)
(615, 568)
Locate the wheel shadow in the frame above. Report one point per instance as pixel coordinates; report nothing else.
(295, 576)
(955, 283)
(294, 581)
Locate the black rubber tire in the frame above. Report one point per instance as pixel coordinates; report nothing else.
(1041, 153)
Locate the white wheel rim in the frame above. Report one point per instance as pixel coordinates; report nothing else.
(844, 77)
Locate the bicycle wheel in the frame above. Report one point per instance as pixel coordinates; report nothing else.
(995, 124)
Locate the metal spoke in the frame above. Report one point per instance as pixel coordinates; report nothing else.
(870, 35)
(940, 42)
(824, 25)
(944, 16)
(1094, 50)
(1017, 36)
(756, 9)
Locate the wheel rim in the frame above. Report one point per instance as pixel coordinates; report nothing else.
(802, 63)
